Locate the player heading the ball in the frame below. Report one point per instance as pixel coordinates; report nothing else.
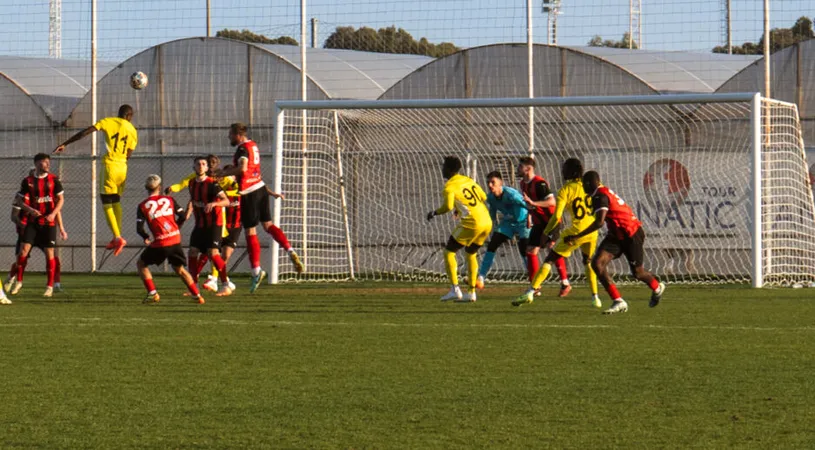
(121, 139)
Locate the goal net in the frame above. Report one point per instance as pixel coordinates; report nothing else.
(720, 182)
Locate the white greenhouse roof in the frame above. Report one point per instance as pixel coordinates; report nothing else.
(56, 85)
(351, 74)
(675, 72)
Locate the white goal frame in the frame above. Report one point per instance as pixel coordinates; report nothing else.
(754, 99)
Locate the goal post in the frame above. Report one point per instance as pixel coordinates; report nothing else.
(719, 181)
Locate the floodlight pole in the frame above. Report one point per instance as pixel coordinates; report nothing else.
(530, 63)
(209, 17)
(93, 138)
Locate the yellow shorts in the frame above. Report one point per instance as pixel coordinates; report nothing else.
(587, 244)
(468, 236)
(113, 179)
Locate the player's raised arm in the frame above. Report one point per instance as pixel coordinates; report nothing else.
(181, 184)
(91, 129)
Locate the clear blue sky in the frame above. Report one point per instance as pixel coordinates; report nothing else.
(126, 27)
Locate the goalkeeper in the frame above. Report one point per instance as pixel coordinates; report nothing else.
(510, 203)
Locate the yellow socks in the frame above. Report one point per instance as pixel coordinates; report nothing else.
(540, 277)
(592, 279)
(110, 216)
(451, 267)
(472, 269)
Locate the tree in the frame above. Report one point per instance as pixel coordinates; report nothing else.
(248, 36)
(779, 38)
(386, 40)
(598, 41)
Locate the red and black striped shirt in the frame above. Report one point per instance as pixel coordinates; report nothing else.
(233, 212)
(42, 194)
(201, 193)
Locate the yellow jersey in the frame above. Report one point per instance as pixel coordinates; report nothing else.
(468, 199)
(573, 197)
(120, 137)
(228, 184)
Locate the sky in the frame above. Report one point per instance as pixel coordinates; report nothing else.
(128, 27)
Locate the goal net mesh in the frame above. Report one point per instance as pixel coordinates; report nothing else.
(685, 170)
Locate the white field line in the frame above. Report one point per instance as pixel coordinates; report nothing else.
(99, 322)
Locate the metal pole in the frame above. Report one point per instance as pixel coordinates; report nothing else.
(303, 131)
(767, 92)
(209, 16)
(314, 26)
(757, 274)
(630, 24)
(277, 186)
(343, 202)
(530, 56)
(729, 29)
(93, 138)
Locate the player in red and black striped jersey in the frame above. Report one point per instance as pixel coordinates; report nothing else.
(233, 217)
(254, 201)
(19, 216)
(45, 197)
(163, 217)
(541, 203)
(207, 200)
(625, 237)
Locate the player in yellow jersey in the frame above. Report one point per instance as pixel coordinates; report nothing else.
(466, 197)
(121, 139)
(573, 197)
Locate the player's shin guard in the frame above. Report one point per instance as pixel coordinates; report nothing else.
(193, 288)
(202, 261)
(472, 269)
(486, 264)
(561, 269)
(613, 292)
(451, 266)
(541, 275)
(110, 217)
(149, 285)
(57, 269)
(192, 263)
(253, 247)
(653, 284)
(50, 265)
(21, 262)
(219, 263)
(592, 278)
(279, 236)
(532, 265)
(117, 212)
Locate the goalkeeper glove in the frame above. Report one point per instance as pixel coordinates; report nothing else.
(431, 215)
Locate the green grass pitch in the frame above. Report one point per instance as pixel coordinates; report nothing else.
(381, 365)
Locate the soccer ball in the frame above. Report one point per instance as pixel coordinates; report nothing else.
(138, 80)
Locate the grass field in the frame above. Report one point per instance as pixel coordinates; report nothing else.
(389, 366)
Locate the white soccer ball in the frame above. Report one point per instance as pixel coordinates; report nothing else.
(138, 80)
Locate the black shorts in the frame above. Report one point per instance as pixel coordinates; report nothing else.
(538, 239)
(231, 239)
(206, 238)
(255, 208)
(631, 247)
(42, 236)
(154, 256)
(18, 244)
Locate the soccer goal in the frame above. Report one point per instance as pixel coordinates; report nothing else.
(720, 181)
